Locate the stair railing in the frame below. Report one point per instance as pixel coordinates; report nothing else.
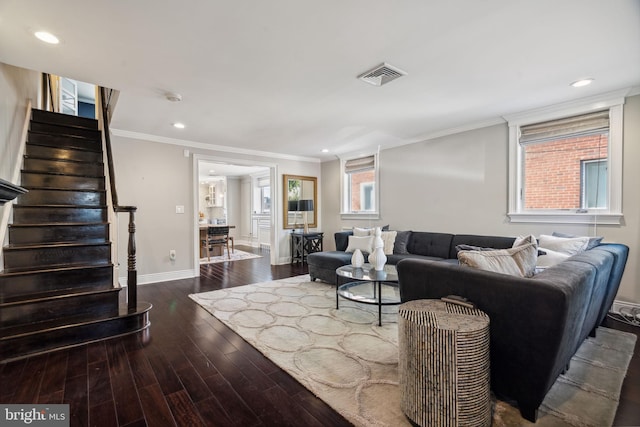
(132, 274)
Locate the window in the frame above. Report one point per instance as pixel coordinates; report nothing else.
(593, 184)
(265, 197)
(262, 195)
(566, 163)
(359, 187)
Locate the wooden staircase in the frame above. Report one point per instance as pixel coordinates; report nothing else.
(57, 288)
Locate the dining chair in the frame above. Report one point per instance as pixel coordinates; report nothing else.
(217, 236)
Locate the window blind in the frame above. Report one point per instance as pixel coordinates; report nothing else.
(360, 164)
(585, 124)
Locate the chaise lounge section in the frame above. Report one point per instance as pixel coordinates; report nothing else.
(537, 323)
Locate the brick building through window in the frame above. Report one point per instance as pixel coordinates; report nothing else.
(569, 173)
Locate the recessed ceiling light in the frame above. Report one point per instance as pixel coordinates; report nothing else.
(178, 125)
(46, 37)
(325, 150)
(583, 82)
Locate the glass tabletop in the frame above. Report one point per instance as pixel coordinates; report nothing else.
(381, 293)
(367, 272)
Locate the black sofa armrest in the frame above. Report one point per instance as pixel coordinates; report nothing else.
(342, 239)
(534, 322)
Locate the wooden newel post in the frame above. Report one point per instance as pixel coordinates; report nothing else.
(132, 274)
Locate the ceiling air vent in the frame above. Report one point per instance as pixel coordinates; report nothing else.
(382, 74)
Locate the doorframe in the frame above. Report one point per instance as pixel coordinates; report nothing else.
(274, 250)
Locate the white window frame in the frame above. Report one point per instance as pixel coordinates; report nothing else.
(344, 194)
(613, 214)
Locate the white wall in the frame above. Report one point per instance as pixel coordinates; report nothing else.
(18, 87)
(156, 177)
(458, 184)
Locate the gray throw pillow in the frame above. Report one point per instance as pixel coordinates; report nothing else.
(400, 245)
(464, 247)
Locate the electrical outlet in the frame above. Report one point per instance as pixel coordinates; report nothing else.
(172, 254)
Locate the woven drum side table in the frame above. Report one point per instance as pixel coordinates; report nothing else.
(444, 364)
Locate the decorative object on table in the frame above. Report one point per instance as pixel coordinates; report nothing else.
(377, 258)
(293, 207)
(443, 363)
(357, 259)
(305, 206)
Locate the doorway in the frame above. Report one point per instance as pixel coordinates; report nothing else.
(237, 193)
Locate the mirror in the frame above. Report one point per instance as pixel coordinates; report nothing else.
(299, 195)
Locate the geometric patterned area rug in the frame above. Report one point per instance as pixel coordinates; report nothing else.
(236, 255)
(351, 363)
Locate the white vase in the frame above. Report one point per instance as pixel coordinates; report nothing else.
(378, 259)
(377, 240)
(357, 259)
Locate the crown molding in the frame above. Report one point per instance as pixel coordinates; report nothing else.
(458, 129)
(209, 147)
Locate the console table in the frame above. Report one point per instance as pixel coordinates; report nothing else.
(302, 244)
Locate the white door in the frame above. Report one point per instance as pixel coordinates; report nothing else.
(68, 96)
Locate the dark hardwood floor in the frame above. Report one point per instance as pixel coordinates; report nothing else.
(192, 370)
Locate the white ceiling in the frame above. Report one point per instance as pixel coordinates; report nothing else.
(281, 75)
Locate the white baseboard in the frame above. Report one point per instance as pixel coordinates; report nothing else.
(144, 279)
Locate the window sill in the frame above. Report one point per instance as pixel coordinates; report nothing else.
(358, 215)
(567, 218)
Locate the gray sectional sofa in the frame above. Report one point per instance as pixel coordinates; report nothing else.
(537, 323)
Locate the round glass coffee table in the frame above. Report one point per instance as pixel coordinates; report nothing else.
(369, 286)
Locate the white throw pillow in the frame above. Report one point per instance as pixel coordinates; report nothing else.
(569, 246)
(363, 243)
(362, 232)
(519, 261)
(550, 258)
(389, 239)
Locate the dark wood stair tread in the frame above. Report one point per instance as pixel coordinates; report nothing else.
(29, 206)
(67, 322)
(57, 224)
(68, 147)
(36, 269)
(56, 269)
(60, 174)
(16, 247)
(58, 294)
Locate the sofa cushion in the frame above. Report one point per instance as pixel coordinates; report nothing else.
(393, 259)
(402, 240)
(363, 243)
(519, 261)
(330, 260)
(430, 244)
